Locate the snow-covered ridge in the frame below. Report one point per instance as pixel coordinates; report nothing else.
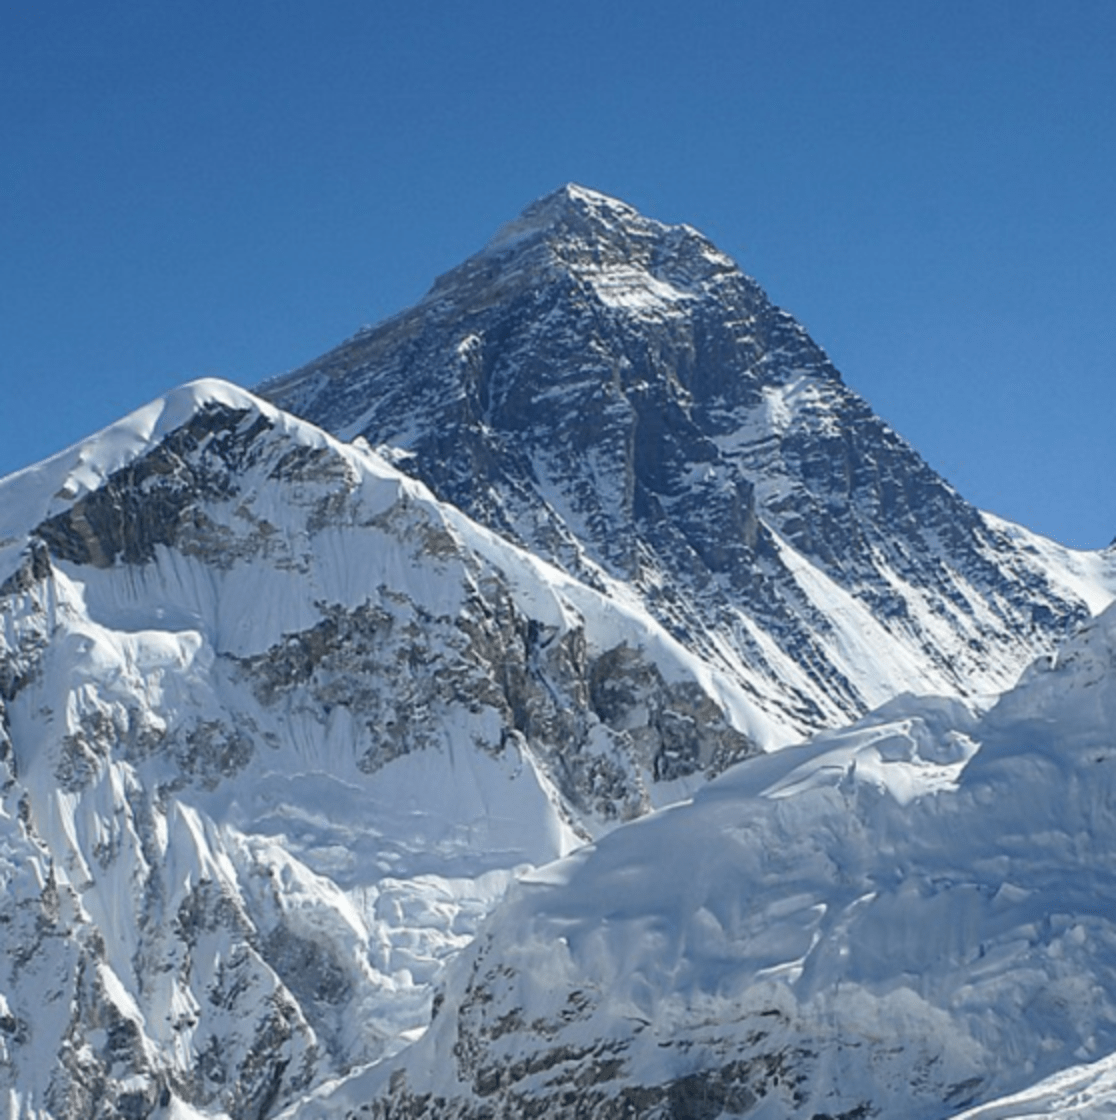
(40, 490)
(277, 729)
(615, 395)
(541, 217)
(1082, 1092)
(32, 495)
(1087, 574)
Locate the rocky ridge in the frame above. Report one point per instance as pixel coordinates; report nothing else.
(279, 728)
(903, 918)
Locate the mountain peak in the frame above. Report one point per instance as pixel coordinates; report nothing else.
(576, 216)
(615, 394)
(569, 205)
(575, 202)
(277, 728)
(37, 491)
(632, 263)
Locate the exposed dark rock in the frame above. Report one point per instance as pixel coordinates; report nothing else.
(33, 569)
(404, 674)
(157, 500)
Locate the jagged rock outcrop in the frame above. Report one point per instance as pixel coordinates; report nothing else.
(900, 919)
(279, 728)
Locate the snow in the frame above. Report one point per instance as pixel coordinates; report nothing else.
(628, 285)
(177, 1110)
(905, 886)
(1082, 1092)
(583, 306)
(1088, 575)
(387, 872)
(857, 640)
(634, 290)
(33, 494)
(539, 218)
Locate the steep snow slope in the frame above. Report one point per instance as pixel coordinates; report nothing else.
(277, 730)
(898, 920)
(617, 395)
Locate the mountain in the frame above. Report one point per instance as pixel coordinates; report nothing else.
(276, 730)
(898, 919)
(285, 716)
(615, 395)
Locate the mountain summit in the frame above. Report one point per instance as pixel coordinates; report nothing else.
(629, 260)
(616, 395)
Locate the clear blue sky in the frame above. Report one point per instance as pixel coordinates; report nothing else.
(211, 188)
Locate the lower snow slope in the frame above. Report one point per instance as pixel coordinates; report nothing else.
(1086, 1092)
(901, 919)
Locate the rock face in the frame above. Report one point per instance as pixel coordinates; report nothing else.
(617, 396)
(276, 730)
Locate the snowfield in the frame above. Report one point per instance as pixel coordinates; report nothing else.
(278, 731)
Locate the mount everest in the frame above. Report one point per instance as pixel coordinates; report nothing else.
(617, 396)
(284, 717)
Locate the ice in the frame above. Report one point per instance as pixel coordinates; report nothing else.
(233, 846)
(925, 872)
(1083, 1092)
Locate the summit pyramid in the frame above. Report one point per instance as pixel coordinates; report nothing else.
(616, 395)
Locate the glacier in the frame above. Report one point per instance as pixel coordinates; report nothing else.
(278, 730)
(896, 919)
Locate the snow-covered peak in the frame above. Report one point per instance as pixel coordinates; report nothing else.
(47, 489)
(278, 728)
(568, 207)
(613, 393)
(632, 263)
